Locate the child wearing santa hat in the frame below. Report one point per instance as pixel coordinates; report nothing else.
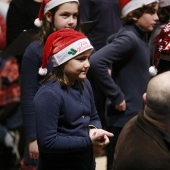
(68, 126)
(53, 15)
(164, 18)
(161, 59)
(128, 55)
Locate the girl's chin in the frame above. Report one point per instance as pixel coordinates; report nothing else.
(82, 77)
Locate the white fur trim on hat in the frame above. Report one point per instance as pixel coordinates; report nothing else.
(71, 51)
(153, 71)
(53, 3)
(38, 22)
(134, 4)
(42, 71)
(48, 6)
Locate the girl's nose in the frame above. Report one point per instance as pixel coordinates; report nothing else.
(87, 64)
(156, 18)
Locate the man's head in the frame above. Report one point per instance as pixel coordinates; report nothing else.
(158, 98)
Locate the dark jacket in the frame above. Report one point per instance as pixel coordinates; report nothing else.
(142, 146)
(30, 82)
(21, 15)
(63, 116)
(107, 15)
(128, 55)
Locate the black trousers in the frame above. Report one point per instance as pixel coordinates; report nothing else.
(110, 149)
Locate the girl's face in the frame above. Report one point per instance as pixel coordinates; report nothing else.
(76, 68)
(66, 16)
(148, 21)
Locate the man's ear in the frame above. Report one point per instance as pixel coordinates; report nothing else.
(48, 16)
(144, 98)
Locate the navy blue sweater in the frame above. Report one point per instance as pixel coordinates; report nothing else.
(63, 116)
(128, 54)
(30, 78)
(107, 13)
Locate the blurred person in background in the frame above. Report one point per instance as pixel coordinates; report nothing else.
(4, 5)
(164, 18)
(161, 58)
(128, 55)
(20, 17)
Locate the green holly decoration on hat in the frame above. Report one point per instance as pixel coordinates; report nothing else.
(72, 51)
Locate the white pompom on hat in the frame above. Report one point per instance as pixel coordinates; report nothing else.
(162, 47)
(63, 45)
(47, 5)
(127, 6)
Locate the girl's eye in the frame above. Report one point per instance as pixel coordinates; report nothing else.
(75, 15)
(65, 15)
(81, 59)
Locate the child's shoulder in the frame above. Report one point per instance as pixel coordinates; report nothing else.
(126, 33)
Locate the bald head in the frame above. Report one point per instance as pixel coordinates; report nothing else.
(158, 97)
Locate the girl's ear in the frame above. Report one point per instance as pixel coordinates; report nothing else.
(134, 18)
(48, 16)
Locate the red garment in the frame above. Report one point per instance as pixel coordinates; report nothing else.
(9, 81)
(2, 32)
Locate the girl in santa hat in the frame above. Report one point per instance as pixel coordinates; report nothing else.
(161, 58)
(53, 15)
(68, 125)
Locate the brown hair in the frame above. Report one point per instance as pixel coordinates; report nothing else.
(137, 13)
(57, 74)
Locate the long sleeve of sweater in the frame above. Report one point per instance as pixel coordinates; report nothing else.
(29, 86)
(119, 50)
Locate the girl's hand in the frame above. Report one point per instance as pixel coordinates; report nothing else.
(33, 149)
(121, 106)
(99, 137)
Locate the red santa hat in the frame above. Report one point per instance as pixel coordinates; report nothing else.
(127, 6)
(46, 5)
(63, 45)
(162, 48)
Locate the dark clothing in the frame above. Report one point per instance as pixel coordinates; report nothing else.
(142, 146)
(30, 84)
(128, 54)
(63, 116)
(110, 148)
(21, 15)
(107, 13)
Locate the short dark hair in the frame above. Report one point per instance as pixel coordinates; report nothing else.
(137, 13)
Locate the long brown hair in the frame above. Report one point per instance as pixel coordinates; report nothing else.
(57, 74)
